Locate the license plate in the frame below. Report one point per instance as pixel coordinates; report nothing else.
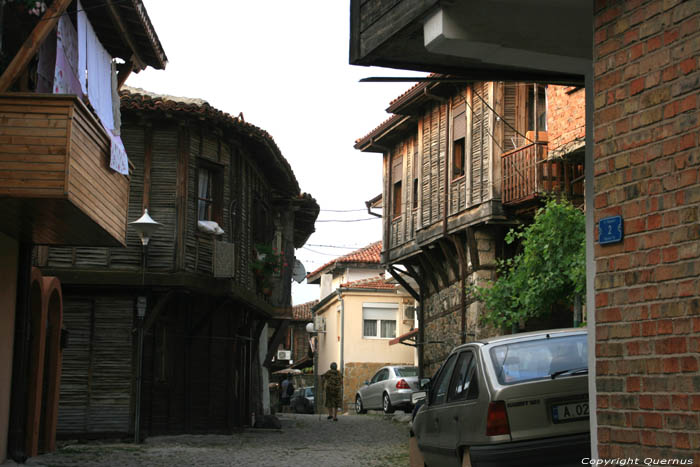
(569, 412)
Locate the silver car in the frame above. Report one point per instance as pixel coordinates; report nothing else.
(389, 388)
(513, 400)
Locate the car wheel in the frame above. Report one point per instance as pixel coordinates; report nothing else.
(358, 406)
(386, 404)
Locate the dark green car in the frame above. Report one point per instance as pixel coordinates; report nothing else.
(513, 400)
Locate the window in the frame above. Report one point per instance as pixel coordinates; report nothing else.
(458, 158)
(209, 193)
(397, 199)
(463, 384)
(379, 321)
(416, 171)
(538, 359)
(539, 108)
(459, 129)
(396, 178)
(438, 392)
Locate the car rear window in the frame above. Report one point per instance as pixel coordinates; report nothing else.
(406, 371)
(538, 359)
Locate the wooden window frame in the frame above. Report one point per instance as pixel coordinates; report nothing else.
(396, 199)
(215, 196)
(458, 158)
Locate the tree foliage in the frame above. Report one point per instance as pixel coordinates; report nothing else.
(549, 270)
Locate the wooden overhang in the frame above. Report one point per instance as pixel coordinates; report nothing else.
(126, 31)
(387, 133)
(264, 150)
(407, 338)
(305, 214)
(56, 187)
(493, 40)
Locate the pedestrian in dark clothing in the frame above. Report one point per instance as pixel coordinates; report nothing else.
(334, 382)
(286, 391)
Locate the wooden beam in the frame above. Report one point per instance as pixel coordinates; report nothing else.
(138, 63)
(429, 273)
(461, 257)
(473, 248)
(415, 274)
(123, 72)
(30, 47)
(396, 274)
(437, 267)
(155, 311)
(449, 254)
(275, 341)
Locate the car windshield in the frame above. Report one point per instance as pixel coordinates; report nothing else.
(406, 371)
(540, 358)
(309, 392)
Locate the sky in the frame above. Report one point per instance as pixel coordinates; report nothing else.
(285, 66)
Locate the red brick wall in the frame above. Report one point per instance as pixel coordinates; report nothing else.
(566, 115)
(647, 164)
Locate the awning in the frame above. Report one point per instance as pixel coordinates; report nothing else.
(408, 338)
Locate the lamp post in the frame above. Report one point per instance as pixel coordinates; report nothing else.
(145, 226)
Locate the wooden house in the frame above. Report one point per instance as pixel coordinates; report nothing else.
(463, 162)
(59, 150)
(228, 202)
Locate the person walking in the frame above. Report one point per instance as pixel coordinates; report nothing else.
(333, 381)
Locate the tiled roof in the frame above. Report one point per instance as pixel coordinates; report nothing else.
(372, 254)
(140, 100)
(376, 282)
(303, 311)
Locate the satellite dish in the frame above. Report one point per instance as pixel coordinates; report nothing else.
(298, 272)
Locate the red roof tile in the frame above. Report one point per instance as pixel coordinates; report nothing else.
(376, 282)
(303, 311)
(371, 254)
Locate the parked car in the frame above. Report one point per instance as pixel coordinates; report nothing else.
(389, 388)
(302, 401)
(513, 400)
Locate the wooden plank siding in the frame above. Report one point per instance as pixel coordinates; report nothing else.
(96, 376)
(55, 175)
(442, 196)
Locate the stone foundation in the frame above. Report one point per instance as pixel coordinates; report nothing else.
(356, 373)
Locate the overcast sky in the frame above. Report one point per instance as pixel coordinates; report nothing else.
(284, 65)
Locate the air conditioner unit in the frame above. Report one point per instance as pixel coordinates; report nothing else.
(409, 312)
(319, 324)
(284, 355)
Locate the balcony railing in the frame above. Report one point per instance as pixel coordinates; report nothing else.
(529, 174)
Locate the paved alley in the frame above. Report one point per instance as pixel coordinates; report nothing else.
(303, 440)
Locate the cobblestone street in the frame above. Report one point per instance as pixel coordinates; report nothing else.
(303, 440)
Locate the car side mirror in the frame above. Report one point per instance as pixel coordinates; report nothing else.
(418, 396)
(366, 383)
(424, 383)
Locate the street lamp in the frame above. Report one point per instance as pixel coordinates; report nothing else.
(145, 226)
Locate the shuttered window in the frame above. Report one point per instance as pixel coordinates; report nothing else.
(379, 321)
(396, 177)
(459, 130)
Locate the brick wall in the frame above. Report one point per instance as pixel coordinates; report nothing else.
(647, 164)
(566, 115)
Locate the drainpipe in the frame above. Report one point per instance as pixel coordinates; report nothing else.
(342, 341)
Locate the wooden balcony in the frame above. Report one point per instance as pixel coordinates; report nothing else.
(528, 174)
(56, 187)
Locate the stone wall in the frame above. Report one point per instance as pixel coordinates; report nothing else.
(442, 312)
(647, 291)
(356, 373)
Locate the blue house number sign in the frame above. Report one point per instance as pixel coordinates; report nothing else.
(610, 230)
